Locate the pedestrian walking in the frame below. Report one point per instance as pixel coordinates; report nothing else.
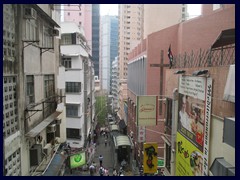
(100, 160)
(115, 172)
(92, 169)
(105, 142)
(101, 171)
(106, 172)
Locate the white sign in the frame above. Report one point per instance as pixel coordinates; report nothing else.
(193, 86)
(141, 134)
(147, 110)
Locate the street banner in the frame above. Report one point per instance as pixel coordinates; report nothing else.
(147, 107)
(150, 160)
(194, 114)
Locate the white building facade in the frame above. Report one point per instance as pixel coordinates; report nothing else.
(78, 84)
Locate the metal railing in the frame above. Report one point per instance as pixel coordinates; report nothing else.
(222, 56)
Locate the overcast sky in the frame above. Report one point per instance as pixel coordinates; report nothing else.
(112, 9)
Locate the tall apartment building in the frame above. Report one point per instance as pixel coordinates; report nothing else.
(108, 49)
(88, 17)
(114, 84)
(79, 84)
(130, 34)
(33, 114)
(160, 16)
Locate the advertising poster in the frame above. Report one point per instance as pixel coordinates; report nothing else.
(150, 160)
(147, 107)
(189, 161)
(77, 160)
(194, 112)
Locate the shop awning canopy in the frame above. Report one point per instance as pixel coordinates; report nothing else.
(226, 37)
(123, 141)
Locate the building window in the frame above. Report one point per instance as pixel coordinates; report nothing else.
(66, 62)
(68, 13)
(80, 23)
(30, 89)
(47, 37)
(80, 14)
(72, 110)
(49, 85)
(31, 29)
(73, 87)
(73, 133)
(66, 39)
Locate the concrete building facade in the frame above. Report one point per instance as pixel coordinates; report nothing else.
(79, 80)
(34, 107)
(130, 34)
(151, 57)
(88, 17)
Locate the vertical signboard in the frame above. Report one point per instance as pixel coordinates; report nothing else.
(141, 134)
(194, 114)
(150, 161)
(147, 110)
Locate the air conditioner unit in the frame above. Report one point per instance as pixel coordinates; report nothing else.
(35, 154)
(53, 32)
(47, 149)
(30, 13)
(51, 128)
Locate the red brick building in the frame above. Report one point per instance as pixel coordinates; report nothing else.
(149, 64)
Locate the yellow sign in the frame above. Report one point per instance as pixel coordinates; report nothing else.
(150, 161)
(189, 160)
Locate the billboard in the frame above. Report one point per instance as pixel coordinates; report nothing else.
(150, 160)
(147, 107)
(194, 112)
(189, 161)
(77, 160)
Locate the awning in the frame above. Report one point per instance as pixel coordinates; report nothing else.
(220, 167)
(123, 141)
(56, 165)
(114, 127)
(41, 126)
(226, 37)
(45, 15)
(229, 91)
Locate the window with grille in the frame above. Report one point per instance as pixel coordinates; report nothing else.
(47, 37)
(67, 62)
(30, 89)
(49, 85)
(73, 87)
(72, 110)
(31, 29)
(73, 133)
(66, 39)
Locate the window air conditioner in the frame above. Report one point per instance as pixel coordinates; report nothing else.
(47, 149)
(30, 13)
(53, 32)
(51, 128)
